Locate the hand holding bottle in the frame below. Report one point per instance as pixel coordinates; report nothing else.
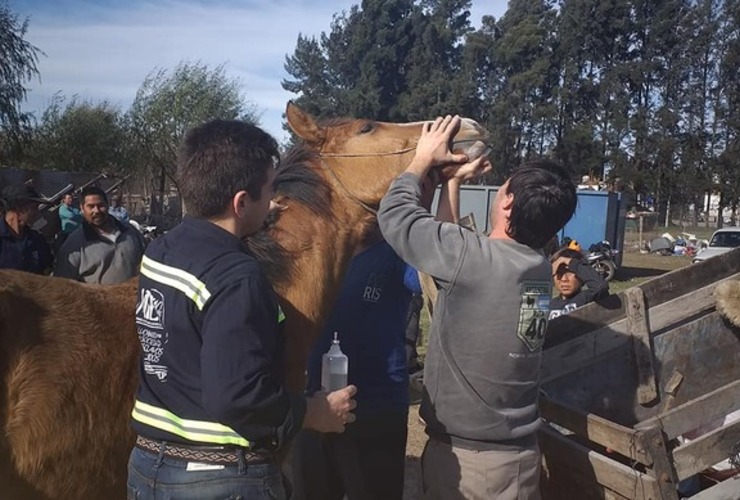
(329, 412)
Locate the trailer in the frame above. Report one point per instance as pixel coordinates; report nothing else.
(625, 382)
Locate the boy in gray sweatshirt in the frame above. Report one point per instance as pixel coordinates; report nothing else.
(482, 365)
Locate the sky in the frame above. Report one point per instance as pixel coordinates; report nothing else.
(104, 49)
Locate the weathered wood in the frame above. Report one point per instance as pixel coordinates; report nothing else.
(596, 468)
(662, 468)
(707, 450)
(726, 490)
(571, 355)
(639, 330)
(583, 351)
(697, 412)
(623, 440)
(706, 351)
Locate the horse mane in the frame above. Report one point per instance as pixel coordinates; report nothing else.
(296, 181)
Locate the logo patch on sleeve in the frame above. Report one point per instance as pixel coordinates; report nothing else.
(533, 313)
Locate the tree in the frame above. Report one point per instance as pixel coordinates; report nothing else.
(18, 60)
(78, 137)
(167, 105)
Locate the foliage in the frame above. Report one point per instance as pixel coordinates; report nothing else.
(18, 60)
(168, 104)
(642, 93)
(78, 137)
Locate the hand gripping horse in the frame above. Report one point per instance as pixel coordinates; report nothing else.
(69, 351)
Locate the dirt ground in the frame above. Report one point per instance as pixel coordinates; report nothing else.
(636, 268)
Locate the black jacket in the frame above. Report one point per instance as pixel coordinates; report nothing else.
(208, 322)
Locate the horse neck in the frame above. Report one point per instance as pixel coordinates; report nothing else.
(322, 249)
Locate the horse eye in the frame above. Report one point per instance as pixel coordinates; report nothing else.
(367, 128)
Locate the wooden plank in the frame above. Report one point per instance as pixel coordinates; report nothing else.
(597, 468)
(705, 351)
(697, 412)
(574, 353)
(583, 351)
(726, 490)
(623, 440)
(706, 451)
(662, 469)
(660, 290)
(639, 330)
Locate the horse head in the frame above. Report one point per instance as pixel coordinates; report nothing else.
(329, 187)
(362, 156)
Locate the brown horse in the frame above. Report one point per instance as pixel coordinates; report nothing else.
(69, 351)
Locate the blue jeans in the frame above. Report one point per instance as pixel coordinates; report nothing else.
(152, 476)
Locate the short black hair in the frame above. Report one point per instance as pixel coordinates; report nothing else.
(92, 191)
(220, 158)
(544, 201)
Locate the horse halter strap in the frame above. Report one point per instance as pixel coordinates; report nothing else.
(346, 190)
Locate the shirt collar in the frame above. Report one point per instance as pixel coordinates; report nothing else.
(91, 233)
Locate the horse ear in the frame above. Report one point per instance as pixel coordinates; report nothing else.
(303, 125)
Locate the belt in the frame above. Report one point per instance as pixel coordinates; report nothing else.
(214, 455)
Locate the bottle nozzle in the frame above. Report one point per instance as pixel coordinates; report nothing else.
(336, 338)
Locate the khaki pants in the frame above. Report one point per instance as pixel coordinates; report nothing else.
(451, 473)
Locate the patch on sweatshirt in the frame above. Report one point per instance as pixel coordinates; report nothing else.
(533, 313)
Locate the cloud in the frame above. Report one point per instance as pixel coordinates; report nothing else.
(104, 50)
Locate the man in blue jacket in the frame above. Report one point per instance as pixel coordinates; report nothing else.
(211, 412)
(369, 316)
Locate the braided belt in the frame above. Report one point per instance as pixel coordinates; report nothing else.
(214, 455)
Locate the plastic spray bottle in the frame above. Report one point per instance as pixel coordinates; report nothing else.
(334, 367)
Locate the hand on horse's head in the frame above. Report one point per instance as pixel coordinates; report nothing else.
(433, 148)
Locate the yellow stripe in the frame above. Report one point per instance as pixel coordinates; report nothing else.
(188, 429)
(181, 280)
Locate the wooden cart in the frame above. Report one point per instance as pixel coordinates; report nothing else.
(624, 379)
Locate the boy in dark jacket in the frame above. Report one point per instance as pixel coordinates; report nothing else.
(576, 281)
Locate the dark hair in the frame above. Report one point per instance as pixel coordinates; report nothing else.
(92, 191)
(568, 253)
(544, 201)
(219, 159)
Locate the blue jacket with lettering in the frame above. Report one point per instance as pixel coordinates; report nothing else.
(208, 322)
(370, 317)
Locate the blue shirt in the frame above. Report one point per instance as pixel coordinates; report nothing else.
(370, 318)
(119, 213)
(26, 252)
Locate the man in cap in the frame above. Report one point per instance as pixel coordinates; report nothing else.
(21, 247)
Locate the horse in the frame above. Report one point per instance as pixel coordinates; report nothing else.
(69, 351)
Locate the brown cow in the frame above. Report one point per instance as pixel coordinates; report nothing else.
(69, 351)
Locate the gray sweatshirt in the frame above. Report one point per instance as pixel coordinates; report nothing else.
(482, 365)
(86, 256)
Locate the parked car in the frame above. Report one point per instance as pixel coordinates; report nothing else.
(723, 240)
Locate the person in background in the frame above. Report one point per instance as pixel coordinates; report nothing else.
(70, 219)
(103, 249)
(117, 210)
(211, 412)
(22, 248)
(577, 282)
(70, 216)
(481, 370)
(370, 318)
